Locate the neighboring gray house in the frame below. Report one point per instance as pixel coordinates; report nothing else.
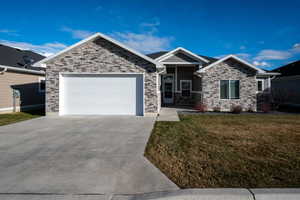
(102, 76)
(286, 87)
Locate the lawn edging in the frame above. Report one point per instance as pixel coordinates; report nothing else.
(218, 194)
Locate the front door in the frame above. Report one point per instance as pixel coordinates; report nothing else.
(168, 88)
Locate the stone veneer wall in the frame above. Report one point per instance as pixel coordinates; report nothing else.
(100, 56)
(229, 70)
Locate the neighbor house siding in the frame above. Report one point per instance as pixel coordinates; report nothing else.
(27, 84)
(229, 70)
(100, 56)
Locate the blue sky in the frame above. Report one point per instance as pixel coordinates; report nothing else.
(266, 33)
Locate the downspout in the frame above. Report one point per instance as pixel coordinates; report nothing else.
(4, 70)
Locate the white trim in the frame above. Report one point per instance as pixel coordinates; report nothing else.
(189, 81)
(269, 74)
(229, 89)
(262, 85)
(197, 92)
(61, 86)
(21, 107)
(96, 35)
(176, 76)
(183, 50)
(40, 80)
(260, 71)
(60, 95)
(181, 63)
(17, 69)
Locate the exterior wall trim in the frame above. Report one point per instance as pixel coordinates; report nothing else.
(96, 35)
(183, 50)
(20, 70)
(234, 57)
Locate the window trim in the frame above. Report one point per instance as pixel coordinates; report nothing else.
(40, 80)
(229, 97)
(262, 85)
(187, 81)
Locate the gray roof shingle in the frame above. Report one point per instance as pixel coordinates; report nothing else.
(14, 57)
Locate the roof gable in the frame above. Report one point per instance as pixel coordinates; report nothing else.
(235, 58)
(180, 57)
(181, 50)
(94, 37)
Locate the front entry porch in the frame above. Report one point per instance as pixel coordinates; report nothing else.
(180, 86)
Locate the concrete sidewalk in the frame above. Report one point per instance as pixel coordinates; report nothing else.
(168, 114)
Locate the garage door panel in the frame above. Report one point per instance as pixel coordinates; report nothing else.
(102, 94)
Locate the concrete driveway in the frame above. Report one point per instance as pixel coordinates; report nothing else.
(78, 155)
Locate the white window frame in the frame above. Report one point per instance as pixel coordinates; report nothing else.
(40, 80)
(186, 81)
(229, 97)
(262, 84)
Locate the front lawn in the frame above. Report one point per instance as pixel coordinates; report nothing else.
(246, 151)
(19, 116)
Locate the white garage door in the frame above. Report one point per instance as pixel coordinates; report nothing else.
(101, 94)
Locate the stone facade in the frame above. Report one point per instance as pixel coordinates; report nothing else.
(100, 56)
(229, 70)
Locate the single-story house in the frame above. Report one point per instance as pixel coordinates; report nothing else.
(100, 75)
(22, 87)
(286, 87)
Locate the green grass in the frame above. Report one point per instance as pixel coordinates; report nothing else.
(247, 151)
(19, 116)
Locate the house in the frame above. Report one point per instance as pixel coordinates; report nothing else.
(286, 87)
(99, 75)
(21, 85)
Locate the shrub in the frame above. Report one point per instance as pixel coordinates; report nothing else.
(250, 109)
(201, 107)
(236, 109)
(216, 109)
(266, 107)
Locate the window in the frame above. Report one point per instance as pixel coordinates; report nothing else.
(42, 84)
(230, 89)
(260, 85)
(186, 87)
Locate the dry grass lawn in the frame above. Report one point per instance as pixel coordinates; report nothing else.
(204, 151)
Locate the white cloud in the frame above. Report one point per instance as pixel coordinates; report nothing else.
(146, 41)
(296, 48)
(76, 33)
(243, 55)
(297, 45)
(242, 47)
(143, 42)
(46, 49)
(270, 54)
(9, 32)
(261, 64)
(150, 27)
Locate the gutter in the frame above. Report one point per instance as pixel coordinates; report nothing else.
(16, 69)
(4, 70)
